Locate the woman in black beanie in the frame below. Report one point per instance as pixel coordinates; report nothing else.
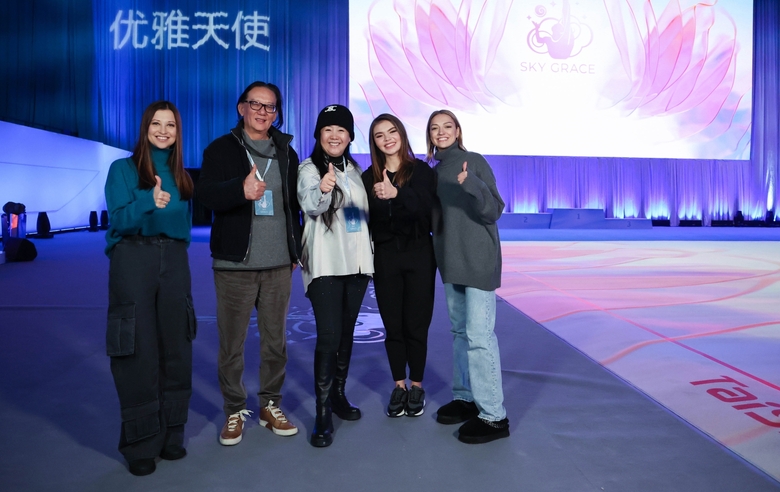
(337, 260)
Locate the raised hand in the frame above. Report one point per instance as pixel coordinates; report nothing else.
(328, 182)
(253, 187)
(385, 189)
(161, 198)
(464, 174)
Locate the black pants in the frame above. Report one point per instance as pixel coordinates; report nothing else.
(405, 284)
(336, 302)
(151, 325)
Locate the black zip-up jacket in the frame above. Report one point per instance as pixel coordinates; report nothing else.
(220, 188)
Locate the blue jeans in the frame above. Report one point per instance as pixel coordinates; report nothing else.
(476, 361)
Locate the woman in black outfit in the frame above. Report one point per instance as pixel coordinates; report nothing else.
(401, 195)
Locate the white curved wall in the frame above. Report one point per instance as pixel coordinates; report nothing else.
(58, 174)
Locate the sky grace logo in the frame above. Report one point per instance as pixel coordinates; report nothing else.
(560, 37)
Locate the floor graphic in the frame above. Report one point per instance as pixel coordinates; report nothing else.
(693, 324)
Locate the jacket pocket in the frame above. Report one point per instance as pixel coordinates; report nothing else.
(192, 321)
(120, 331)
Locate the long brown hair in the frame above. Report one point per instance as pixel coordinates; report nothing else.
(429, 142)
(378, 158)
(142, 153)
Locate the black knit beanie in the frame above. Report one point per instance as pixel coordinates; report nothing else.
(336, 114)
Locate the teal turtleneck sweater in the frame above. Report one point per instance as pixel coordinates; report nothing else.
(132, 210)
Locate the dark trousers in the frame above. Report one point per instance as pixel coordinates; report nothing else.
(336, 303)
(151, 325)
(238, 292)
(405, 284)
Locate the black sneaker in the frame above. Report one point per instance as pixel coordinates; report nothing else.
(479, 431)
(397, 406)
(416, 404)
(456, 411)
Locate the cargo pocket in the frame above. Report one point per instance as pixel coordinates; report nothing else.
(120, 332)
(192, 321)
(141, 421)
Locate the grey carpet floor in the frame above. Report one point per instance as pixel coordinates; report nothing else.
(574, 425)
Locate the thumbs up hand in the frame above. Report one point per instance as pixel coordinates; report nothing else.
(464, 174)
(161, 198)
(328, 182)
(253, 187)
(385, 190)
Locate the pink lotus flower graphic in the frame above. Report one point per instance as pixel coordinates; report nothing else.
(429, 54)
(682, 64)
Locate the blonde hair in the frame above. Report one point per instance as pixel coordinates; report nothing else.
(429, 143)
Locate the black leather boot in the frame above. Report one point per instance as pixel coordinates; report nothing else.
(324, 367)
(341, 406)
(338, 398)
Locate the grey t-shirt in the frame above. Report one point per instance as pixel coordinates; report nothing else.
(268, 241)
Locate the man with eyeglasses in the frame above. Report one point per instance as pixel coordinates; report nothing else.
(248, 178)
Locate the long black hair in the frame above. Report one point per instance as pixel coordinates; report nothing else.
(320, 160)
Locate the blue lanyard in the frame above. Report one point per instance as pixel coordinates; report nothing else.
(257, 172)
(346, 180)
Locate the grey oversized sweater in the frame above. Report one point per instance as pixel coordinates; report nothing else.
(465, 234)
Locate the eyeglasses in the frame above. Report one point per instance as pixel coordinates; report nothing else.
(256, 105)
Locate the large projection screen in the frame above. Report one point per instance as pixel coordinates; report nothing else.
(592, 78)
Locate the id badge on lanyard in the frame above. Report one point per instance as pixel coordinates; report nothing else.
(265, 205)
(351, 213)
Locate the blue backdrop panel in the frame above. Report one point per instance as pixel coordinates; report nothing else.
(201, 54)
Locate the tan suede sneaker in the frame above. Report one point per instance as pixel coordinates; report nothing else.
(273, 418)
(233, 430)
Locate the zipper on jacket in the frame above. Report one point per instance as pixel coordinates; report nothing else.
(289, 210)
(249, 243)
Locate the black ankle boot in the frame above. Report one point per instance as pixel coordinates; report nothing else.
(341, 406)
(324, 368)
(142, 467)
(322, 435)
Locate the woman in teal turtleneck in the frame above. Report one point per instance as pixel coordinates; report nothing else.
(151, 322)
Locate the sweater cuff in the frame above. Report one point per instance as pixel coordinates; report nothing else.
(148, 201)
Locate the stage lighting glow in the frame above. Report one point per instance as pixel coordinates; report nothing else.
(611, 78)
(68, 173)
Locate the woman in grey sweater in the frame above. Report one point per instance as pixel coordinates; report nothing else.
(468, 253)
